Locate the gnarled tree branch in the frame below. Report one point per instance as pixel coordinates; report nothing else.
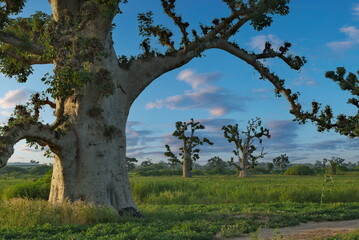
(29, 60)
(34, 130)
(345, 125)
(15, 41)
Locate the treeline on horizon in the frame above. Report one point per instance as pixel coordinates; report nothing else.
(217, 166)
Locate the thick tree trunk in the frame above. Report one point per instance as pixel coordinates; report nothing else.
(243, 167)
(91, 166)
(243, 173)
(187, 167)
(93, 170)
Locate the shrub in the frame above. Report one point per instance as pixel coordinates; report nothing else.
(12, 169)
(299, 170)
(258, 170)
(40, 170)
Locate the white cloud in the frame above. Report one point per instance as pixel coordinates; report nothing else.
(304, 80)
(258, 42)
(197, 80)
(202, 95)
(352, 32)
(356, 10)
(4, 113)
(352, 39)
(14, 97)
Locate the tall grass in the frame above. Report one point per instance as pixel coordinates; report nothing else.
(219, 189)
(256, 189)
(19, 212)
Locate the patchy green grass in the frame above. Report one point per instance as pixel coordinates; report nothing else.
(350, 236)
(197, 208)
(255, 189)
(39, 220)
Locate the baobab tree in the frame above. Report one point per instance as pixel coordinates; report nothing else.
(281, 161)
(189, 152)
(245, 145)
(92, 90)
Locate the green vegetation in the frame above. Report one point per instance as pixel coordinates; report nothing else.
(350, 236)
(219, 189)
(299, 170)
(256, 189)
(244, 142)
(176, 208)
(37, 189)
(43, 221)
(189, 152)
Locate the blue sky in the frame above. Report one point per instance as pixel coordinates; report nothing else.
(219, 89)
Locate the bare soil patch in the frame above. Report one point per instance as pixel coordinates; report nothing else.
(307, 231)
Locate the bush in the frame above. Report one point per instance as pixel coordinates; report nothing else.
(258, 170)
(160, 172)
(299, 170)
(12, 169)
(40, 170)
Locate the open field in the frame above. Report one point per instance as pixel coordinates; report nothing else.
(198, 208)
(255, 189)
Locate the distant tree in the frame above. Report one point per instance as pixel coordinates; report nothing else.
(188, 152)
(270, 166)
(40, 170)
(12, 169)
(173, 163)
(334, 163)
(319, 164)
(244, 142)
(131, 164)
(216, 165)
(33, 161)
(281, 161)
(146, 163)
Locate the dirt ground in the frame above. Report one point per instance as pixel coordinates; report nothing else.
(307, 231)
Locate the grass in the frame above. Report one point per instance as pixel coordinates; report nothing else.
(161, 222)
(198, 208)
(256, 189)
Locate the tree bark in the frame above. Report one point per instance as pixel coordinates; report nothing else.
(243, 164)
(243, 171)
(187, 166)
(92, 166)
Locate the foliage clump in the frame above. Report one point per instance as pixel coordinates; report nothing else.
(299, 170)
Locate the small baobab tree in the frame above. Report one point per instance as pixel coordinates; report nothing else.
(334, 163)
(188, 152)
(244, 142)
(281, 161)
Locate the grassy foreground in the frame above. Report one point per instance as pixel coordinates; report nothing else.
(38, 220)
(198, 208)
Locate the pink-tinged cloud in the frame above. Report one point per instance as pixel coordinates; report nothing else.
(258, 42)
(203, 95)
(14, 97)
(352, 39)
(27, 149)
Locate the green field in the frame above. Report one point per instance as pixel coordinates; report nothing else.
(197, 208)
(255, 189)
